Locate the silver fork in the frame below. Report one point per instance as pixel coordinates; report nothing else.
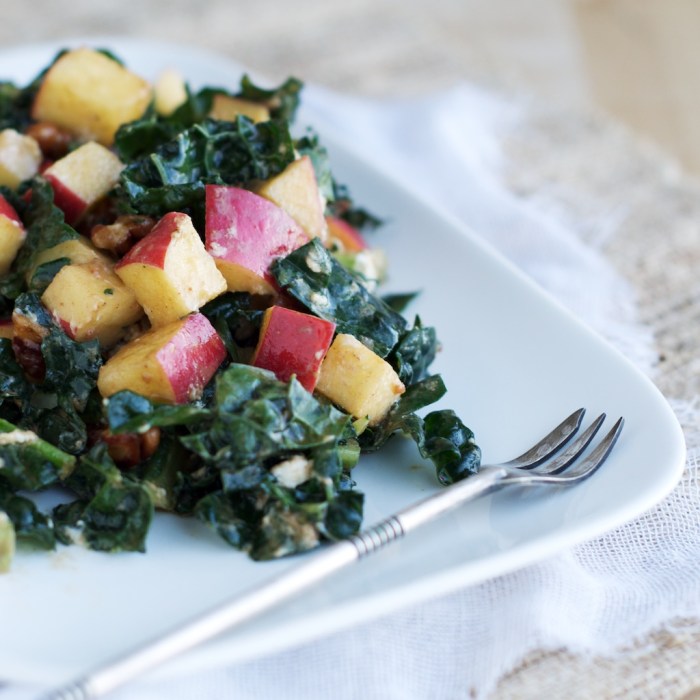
(544, 463)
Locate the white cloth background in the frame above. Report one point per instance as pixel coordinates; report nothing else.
(591, 599)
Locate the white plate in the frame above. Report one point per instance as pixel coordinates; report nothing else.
(515, 363)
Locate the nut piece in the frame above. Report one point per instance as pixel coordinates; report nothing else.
(120, 236)
(53, 141)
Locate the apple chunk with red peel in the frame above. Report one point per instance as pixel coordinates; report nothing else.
(90, 301)
(293, 343)
(170, 271)
(12, 235)
(358, 380)
(296, 191)
(245, 233)
(170, 364)
(90, 95)
(82, 178)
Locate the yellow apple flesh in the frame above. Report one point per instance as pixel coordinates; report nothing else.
(358, 380)
(78, 250)
(90, 301)
(296, 191)
(169, 92)
(170, 272)
(20, 158)
(90, 95)
(227, 108)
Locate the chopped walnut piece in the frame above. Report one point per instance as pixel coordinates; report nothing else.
(120, 236)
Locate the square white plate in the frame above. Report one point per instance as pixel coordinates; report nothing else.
(514, 362)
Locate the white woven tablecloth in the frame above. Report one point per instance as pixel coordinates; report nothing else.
(594, 599)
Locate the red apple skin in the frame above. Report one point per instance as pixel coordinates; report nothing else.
(347, 234)
(247, 230)
(152, 249)
(66, 200)
(293, 343)
(6, 209)
(191, 357)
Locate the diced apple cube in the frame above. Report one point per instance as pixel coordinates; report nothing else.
(20, 158)
(245, 233)
(169, 92)
(170, 364)
(78, 250)
(90, 301)
(90, 95)
(227, 108)
(12, 235)
(293, 343)
(169, 270)
(82, 178)
(296, 191)
(358, 380)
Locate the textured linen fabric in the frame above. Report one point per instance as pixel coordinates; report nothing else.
(597, 598)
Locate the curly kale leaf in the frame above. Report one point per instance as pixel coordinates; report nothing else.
(54, 407)
(313, 276)
(282, 101)
(172, 177)
(28, 462)
(233, 454)
(414, 353)
(32, 527)
(113, 513)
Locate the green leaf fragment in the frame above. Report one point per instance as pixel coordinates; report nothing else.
(28, 462)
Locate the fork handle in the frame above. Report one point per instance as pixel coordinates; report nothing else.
(319, 565)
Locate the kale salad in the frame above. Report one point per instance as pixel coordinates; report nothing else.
(191, 319)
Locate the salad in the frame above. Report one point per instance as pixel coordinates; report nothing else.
(191, 319)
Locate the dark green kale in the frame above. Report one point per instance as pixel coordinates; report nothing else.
(240, 451)
(327, 289)
(32, 527)
(16, 103)
(440, 436)
(173, 176)
(112, 513)
(282, 101)
(414, 353)
(28, 462)
(14, 387)
(237, 321)
(55, 405)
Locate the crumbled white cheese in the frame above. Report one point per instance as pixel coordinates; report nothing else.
(293, 471)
